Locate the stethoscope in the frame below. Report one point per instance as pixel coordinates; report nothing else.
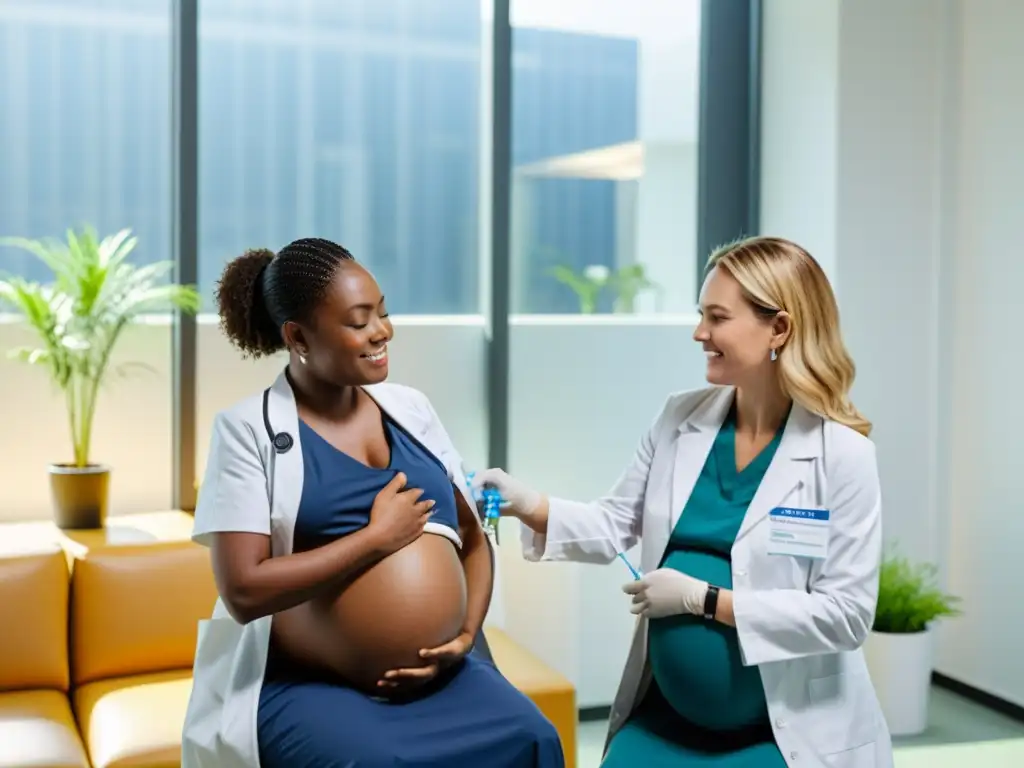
(281, 441)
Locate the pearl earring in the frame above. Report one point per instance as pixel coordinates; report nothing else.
(774, 356)
(302, 359)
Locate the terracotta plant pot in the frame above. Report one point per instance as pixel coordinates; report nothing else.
(80, 495)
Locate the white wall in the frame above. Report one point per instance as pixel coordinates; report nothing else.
(799, 81)
(985, 535)
(892, 150)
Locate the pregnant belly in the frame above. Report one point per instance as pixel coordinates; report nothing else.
(410, 600)
(697, 663)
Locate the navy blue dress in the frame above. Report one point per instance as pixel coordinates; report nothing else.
(468, 717)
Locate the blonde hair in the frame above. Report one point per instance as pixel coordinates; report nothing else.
(814, 367)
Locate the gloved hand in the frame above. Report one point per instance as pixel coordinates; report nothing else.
(667, 592)
(519, 500)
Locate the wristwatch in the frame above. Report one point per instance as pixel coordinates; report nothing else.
(711, 603)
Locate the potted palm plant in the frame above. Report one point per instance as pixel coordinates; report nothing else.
(900, 648)
(78, 318)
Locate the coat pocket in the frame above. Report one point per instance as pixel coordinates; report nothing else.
(841, 717)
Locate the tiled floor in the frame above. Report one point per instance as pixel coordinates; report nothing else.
(960, 733)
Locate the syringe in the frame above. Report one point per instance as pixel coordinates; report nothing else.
(636, 574)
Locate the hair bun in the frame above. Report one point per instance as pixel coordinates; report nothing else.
(243, 312)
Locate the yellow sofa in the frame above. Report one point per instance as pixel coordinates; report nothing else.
(97, 637)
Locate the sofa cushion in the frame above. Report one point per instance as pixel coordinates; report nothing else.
(33, 617)
(136, 609)
(37, 730)
(134, 722)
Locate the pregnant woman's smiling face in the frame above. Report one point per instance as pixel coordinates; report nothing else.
(348, 331)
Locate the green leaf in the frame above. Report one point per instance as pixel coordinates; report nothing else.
(909, 599)
(78, 317)
(586, 290)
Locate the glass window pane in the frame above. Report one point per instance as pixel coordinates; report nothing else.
(84, 123)
(85, 140)
(358, 121)
(604, 146)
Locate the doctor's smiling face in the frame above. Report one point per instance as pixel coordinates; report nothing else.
(313, 299)
(737, 334)
(345, 335)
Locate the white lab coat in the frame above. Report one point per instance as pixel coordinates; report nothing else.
(249, 487)
(801, 621)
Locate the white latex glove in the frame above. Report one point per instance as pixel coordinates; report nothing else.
(667, 592)
(520, 500)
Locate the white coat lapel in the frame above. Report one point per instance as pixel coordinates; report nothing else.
(801, 441)
(284, 470)
(696, 436)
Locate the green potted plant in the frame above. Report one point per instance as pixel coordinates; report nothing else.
(628, 283)
(588, 285)
(900, 649)
(78, 319)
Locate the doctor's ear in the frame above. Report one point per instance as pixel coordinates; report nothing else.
(293, 336)
(782, 327)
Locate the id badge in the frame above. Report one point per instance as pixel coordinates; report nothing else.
(798, 532)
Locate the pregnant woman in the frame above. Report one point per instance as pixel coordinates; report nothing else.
(353, 572)
(757, 506)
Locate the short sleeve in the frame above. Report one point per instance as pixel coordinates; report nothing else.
(233, 497)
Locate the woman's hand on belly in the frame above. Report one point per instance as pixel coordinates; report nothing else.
(398, 515)
(412, 600)
(436, 659)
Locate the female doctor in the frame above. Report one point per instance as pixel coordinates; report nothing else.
(757, 504)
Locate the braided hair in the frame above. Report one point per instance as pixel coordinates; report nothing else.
(259, 291)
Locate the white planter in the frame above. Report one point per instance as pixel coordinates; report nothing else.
(901, 670)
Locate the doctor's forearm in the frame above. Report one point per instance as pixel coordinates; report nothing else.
(476, 562)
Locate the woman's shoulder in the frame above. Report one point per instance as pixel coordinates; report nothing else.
(847, 451)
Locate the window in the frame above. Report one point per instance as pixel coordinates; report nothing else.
(358, 121)
(84, 123)
(85, 139)
(604, 152)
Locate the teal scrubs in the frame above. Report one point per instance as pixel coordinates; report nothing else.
(703, 708)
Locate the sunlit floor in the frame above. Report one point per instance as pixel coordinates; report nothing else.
(960, 733)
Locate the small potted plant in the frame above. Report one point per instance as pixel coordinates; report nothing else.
(626, 283)
(587, 285)
(78, 318)
(900, 649)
